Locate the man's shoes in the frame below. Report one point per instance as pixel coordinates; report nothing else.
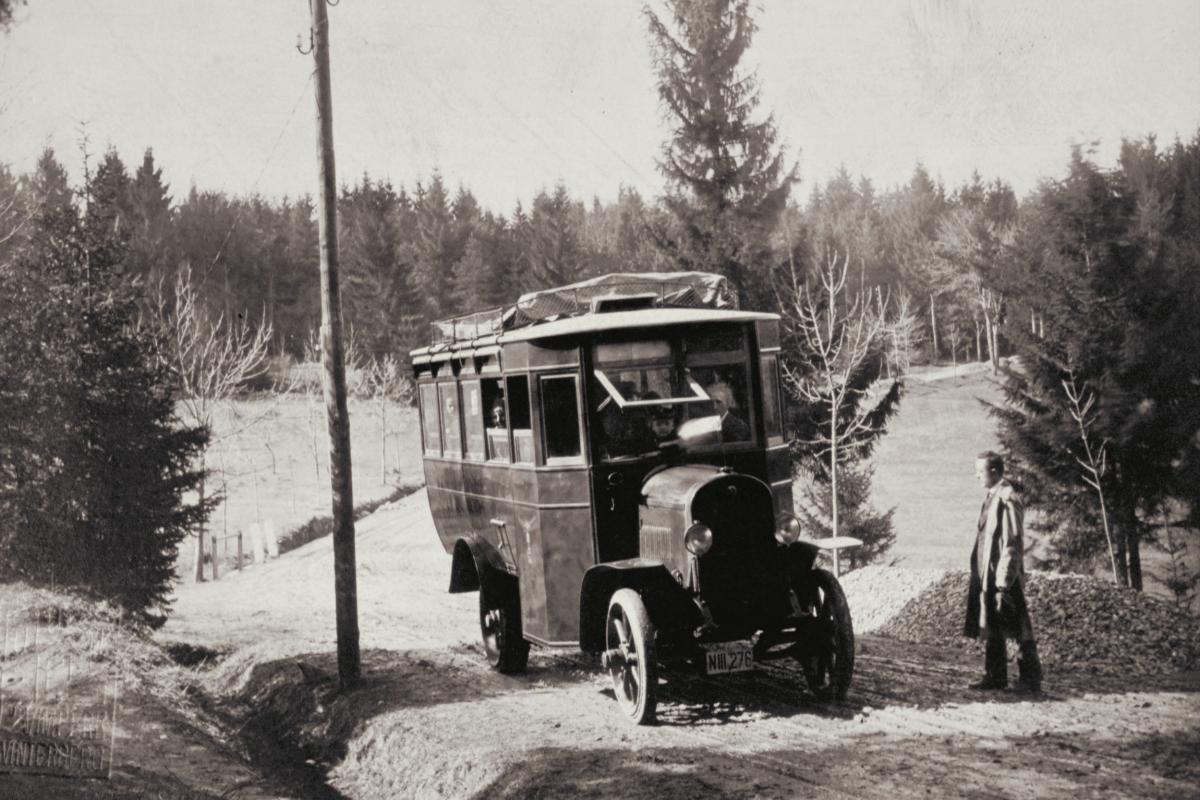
(1028, 687)
(988, 685)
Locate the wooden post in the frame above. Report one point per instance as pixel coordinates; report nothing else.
(198, 569)
(333, 356)
(239, 561)
(216, 571)
(198, 572)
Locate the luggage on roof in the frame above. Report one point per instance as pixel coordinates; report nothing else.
(618, 291)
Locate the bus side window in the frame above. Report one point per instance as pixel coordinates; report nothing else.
(451, 430)
(430, 423)
(495, 420)
(560, 419)
(519, 419)
(772, 406)
(473, 419)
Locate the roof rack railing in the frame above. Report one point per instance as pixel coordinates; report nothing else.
(466, 327)
(596, 295)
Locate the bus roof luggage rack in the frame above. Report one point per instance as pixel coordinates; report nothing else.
(468, 327)
(623, 291)
(620, 291)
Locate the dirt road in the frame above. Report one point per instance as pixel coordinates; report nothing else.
(432, 721)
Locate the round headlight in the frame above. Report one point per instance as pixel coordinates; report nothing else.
(787, 529)
(698, 539)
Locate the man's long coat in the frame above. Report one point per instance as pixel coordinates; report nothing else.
(998, 562)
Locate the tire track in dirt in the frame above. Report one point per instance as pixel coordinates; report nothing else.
(926, 719)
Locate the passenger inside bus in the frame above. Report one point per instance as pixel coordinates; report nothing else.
(495, 421)
(733, 427)
(662, 422)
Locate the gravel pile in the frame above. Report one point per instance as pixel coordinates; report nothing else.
(1078, 621)
(875, 594)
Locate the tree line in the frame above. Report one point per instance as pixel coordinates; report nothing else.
(413, 256)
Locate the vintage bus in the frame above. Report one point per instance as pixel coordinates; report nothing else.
(606, 464)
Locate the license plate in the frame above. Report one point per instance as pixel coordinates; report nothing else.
(729, 657)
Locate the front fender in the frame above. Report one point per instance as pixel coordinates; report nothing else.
(668, 604)
(800, 557)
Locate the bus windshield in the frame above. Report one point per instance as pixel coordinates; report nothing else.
(686, 394)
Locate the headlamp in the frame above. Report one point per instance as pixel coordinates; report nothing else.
(787, 528)
(698, 539)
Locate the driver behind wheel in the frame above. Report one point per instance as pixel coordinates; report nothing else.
(662, 422)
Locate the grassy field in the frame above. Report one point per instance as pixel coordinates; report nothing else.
(270, 460)
(925, 468)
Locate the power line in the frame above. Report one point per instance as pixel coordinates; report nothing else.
(266, 163)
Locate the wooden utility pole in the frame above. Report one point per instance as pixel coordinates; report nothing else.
(333, 356)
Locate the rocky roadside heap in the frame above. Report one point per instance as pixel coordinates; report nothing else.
(1080, 621)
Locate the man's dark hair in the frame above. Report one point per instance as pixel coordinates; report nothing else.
(995, 461)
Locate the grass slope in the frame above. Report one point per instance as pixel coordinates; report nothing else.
(924, 467)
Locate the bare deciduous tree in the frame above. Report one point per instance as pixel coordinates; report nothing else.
(902, 330)
(213, 357)
(387, 382)
(1095, 463)
(840, 332)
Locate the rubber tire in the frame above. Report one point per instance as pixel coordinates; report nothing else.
(829, 673)
(503, 643)
(641, 703)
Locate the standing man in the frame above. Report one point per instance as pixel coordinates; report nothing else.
(996, 607)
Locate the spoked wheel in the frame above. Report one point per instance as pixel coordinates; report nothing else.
(631, 657)
(500, 622)
(829, 662)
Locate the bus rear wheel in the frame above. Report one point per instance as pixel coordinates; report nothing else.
(500, 622)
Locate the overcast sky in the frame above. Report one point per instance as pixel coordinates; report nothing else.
(512, 97)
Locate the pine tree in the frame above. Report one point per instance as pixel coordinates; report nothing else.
(1114, 270)
(108, 213)
(378, 295)
(555, 254)
(294, 310)
(484, 277)
(435, 247)
(150, 206)
(49, 196)
(727, 180)
(857, 517)
(96, 463)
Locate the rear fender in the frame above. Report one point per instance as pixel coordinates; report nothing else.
(668, 604)
(471, 558)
